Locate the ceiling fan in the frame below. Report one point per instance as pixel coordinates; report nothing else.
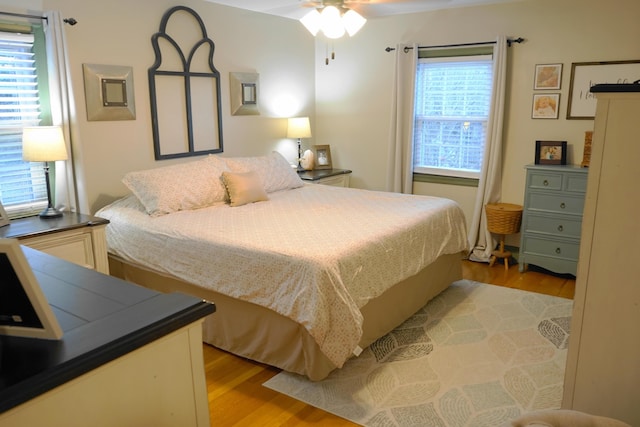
(366, 8)
(333, 18)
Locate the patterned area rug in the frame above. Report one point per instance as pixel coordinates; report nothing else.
(476, 355)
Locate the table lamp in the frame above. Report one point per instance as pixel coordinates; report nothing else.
(44, 144)
(299, 128)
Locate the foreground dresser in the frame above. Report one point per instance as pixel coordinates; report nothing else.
(603, 361)
(552, 217)
(129, 356)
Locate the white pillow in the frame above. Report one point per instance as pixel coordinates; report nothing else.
(243, 188)
(183, 186)
(273, 170)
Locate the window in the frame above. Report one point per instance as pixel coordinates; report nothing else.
(452, 104)
(22, 184)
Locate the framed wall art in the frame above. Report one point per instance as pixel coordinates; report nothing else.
(545, 106)
(547, 76)
(551, 153)
(584, 75)
(322, 156)
(108, 91)
(244, 88)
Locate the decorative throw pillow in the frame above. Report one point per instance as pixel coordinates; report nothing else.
(273, 170)
(243, 188)
(183, 186)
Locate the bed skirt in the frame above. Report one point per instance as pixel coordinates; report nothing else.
(260, 334)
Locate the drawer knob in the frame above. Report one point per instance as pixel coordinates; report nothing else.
(562, 205)
(545, 183)
(560, 227)
(558, 251)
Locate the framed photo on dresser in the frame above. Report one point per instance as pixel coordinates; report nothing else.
(551, 153)
(322, 156)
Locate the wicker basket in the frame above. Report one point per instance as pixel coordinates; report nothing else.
(503, 218)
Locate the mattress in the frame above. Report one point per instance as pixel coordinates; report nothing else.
(315, 254)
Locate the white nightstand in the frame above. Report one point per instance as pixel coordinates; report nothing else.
(73, 237)
(335, 177)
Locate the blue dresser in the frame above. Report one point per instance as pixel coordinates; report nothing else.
(552, 217)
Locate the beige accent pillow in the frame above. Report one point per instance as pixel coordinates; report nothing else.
(243, 188)
(184, 186)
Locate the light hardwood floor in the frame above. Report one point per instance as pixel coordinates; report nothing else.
(234, 384)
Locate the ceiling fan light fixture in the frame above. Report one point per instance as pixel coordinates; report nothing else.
(353, 21)
(331, 22)
(311, 21)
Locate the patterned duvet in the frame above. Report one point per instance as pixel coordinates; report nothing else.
(314, 254)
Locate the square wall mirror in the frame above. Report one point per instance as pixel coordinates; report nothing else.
(244, 91)
(108, 91)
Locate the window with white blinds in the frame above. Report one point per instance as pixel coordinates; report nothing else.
(452, 104)
(22, 184)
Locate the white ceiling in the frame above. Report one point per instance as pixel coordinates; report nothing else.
(295, 9)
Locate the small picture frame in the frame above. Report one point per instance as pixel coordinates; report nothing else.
(545, 106)
(547, 76)
(551, 153)
(322, 156)
(24, 309)
(4, 218)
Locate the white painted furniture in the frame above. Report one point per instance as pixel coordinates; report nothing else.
(129, 356)
(552, 217)
(73, 237)
(603, 363)
(335, 177)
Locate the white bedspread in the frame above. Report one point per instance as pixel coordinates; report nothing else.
(315, 254)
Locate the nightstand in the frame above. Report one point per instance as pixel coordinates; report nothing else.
(74, 237)
(335, 177)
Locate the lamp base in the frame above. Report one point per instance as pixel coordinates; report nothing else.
(50, 212)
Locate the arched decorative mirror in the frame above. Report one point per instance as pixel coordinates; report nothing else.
(184, 87)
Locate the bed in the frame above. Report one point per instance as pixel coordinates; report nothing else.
(303, 276)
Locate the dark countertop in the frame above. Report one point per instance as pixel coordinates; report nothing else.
(102, 317)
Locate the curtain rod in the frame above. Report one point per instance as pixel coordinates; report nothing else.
(408, 48)
(70, 21)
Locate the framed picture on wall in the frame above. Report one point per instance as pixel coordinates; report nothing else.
(551, 153)
(322, 156)
(547, 76)
(584, 75)
(545, 106)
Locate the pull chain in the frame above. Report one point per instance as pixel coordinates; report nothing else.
(333, 54)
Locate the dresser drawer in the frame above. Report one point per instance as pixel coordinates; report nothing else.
(551, 248)
(556, 203)
(576, 183)
(561, 226)
(545, 180)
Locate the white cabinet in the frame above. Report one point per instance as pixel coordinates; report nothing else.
(603, 363)
(73, 237)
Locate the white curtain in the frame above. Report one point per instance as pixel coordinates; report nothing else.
(400, 156)
(481, 241)
(62, 111)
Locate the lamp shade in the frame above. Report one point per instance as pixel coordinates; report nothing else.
(43, 144)
(299, 128)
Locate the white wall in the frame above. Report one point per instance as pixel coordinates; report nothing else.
(354, 90)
